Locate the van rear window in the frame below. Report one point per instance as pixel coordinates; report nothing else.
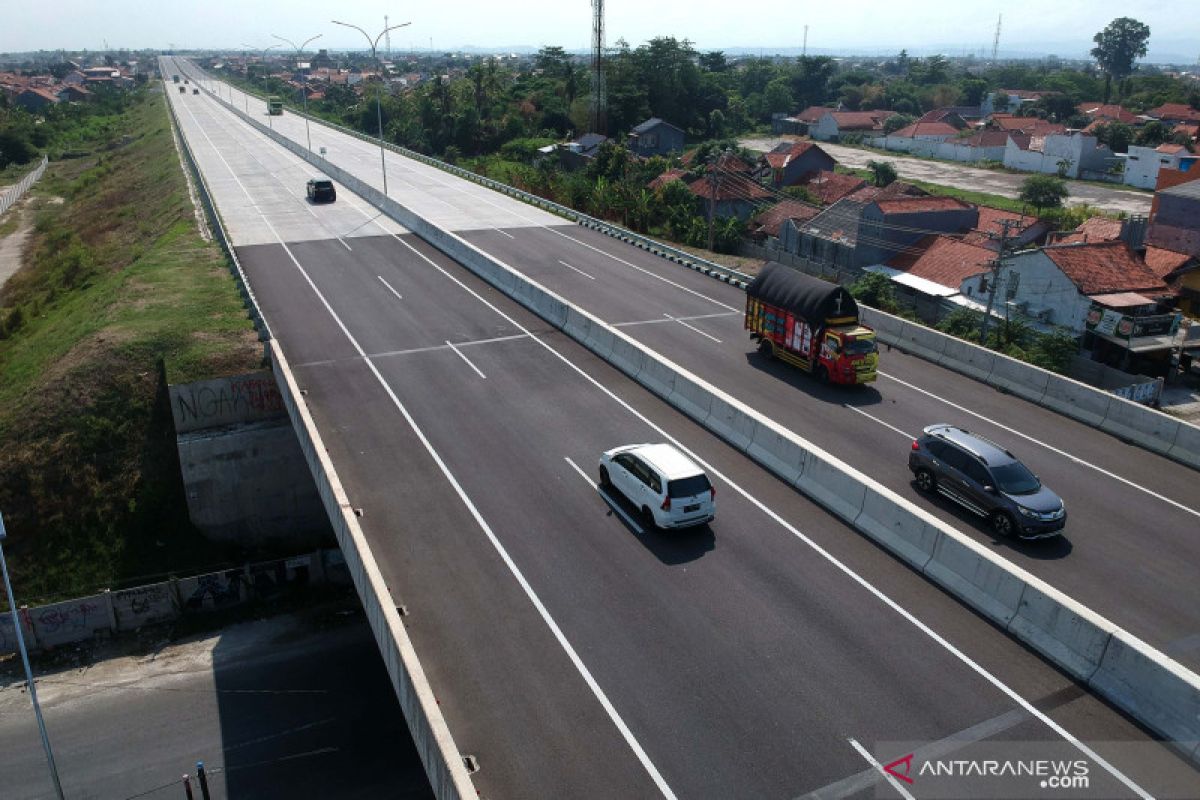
(689, 487)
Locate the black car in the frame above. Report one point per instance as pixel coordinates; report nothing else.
(986, 479)
(320, 190)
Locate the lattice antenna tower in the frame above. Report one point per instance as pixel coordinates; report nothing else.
(387, 37)
(599, 89)
(996, 39)
(804, 47)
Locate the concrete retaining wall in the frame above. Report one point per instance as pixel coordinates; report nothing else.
(1063, 631)
(110, 612)
(1129, 421)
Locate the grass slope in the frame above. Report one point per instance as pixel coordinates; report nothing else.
(117, 283)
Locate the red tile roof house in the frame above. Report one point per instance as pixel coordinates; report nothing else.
(835, 124)
(732, 194)
(922, 137)
(1072, 155)
(1175, 113)
(798, 123)
(768, 223)
(931, 275)
(1059, 284)
(829, 187)
(1181, 273)
(674, 174)
(1111, 112)
(1092, 230)
(790, 162)
(1142, 164)
(35, 99)
(987, 230)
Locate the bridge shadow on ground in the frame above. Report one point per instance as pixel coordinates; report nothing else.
(307, 710)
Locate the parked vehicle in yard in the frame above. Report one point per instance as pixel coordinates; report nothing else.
(810, 323)
(986, 479)
(668, 489)
(320, 189)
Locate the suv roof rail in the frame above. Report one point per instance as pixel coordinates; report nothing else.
(939, 431)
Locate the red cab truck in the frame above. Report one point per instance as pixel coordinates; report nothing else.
(810, 323)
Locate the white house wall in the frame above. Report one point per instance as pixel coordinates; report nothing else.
(1041, 285)
(940, 147)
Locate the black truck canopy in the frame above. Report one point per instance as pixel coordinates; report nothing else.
(811, 298)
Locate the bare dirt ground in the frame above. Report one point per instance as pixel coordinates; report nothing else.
(960, 176)
(12, 246)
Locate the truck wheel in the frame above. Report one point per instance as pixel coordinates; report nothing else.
(766, 348)
(822, 374)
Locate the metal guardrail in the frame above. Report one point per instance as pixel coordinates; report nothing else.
(703, 265)
(222, 236)
(15, 192)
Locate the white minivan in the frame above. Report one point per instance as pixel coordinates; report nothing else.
(668, 489)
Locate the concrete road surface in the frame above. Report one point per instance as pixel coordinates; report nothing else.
(960, 176)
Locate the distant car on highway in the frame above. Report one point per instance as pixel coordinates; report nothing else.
(320, 190)
(668, 489)
(986, 479)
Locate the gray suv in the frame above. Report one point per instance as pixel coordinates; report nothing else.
(983, 477)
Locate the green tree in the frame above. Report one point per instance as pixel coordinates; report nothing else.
(713, 61)
(897, 121)
(875, 289)
(1054, 350)
(1116, 135)
(1152, 134)
(778, 96)
(1043, 191)
(552, 61)
(883, 171)
(1117, 46)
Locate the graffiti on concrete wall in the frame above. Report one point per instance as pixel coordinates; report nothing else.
(68, 622)
(142, 605)
(225, 401)
(215, 590)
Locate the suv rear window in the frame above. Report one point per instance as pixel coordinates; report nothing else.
(322, 185)
(689, 487)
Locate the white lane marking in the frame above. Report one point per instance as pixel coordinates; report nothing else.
(597, 692)
(414, 350)
(877, 419)
(853, 784)
(497, 230)
(1051, 448)
(389, 286)
(609, 501)
(478, 371)
(577, 269)
(691, 327)
(660, 320)
(845, 569)
(862, 751)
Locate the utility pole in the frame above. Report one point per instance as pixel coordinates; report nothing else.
(804, 47)
(713, 184)
(994, 281)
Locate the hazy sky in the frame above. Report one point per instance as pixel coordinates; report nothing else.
(1062, 27)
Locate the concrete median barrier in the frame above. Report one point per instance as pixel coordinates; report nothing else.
(1060, 629)
(1155, 690)
(658, 377)
(777, 451)
(691, 398)
(898, 526)
(626, 356)
(833, 487)
(730, 422)
(1151, 429)
(888, 327)
(1187, 446)
(976, 577)
(921, 341)
(1076, 400)
(1019, 378)
(969, 359)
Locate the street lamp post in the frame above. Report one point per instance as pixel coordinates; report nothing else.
(304, 89)
(378, 107)
(37, 709)
(266, 93)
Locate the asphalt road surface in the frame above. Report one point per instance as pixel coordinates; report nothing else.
(298, 705)
(573, 652)
(961, 176)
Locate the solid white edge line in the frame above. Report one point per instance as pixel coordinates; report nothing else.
(458, 353)
(1049, 447)
(877, 419)
(584, 672)
(389, 286)
(577, 269)
(862, 751)
(608, 501)
(921, 626)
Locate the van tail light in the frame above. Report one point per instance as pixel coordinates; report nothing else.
(666, 506)
(915, 445)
